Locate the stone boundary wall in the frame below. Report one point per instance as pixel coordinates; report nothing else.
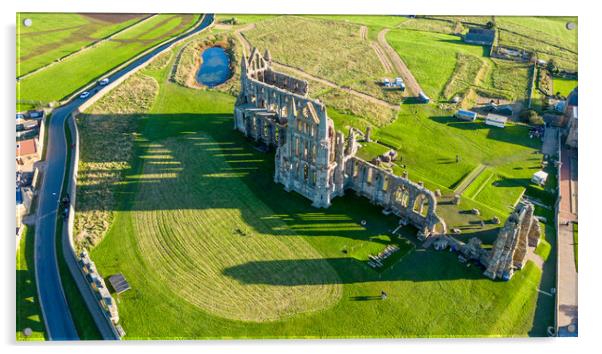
(101, 317)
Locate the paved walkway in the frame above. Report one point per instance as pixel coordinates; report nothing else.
(550, 141)
(567, 271)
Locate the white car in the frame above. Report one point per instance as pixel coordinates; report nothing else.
(104, 81)
(84, 94)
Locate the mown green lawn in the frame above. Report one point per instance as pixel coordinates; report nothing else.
(54, 35)
(28, 310)
(61, 80)
(190, 163)
(564, 86)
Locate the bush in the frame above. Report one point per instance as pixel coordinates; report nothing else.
(531, 117)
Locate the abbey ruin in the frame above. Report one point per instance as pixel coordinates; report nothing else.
(316, 161)
(312, 158)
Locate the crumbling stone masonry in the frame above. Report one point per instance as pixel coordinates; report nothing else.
(509, 251)
(312, 158)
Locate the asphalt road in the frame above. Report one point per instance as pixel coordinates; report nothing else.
(55, 310)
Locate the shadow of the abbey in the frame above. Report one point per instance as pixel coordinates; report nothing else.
(418, 266)
(197, 161)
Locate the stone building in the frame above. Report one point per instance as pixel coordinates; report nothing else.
(312, 158)
(509, 251)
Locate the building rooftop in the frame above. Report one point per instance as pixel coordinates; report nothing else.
(497, 118)
(27, 147)
(480, 35)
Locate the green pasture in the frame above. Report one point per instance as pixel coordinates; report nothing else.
(55, 35)
(61, 80)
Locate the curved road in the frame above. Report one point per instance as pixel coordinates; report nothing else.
(55, 310)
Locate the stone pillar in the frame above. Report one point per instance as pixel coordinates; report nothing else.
(368, 133)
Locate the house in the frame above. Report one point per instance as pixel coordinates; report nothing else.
(466, 115)
(539, 177)
(27, 155)
(480, 36)
(24, 196)
(33, 114)
(571, 139)
(571, 114)
(496, 120)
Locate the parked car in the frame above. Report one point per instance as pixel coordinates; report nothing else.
(84, 94)
(104, 81)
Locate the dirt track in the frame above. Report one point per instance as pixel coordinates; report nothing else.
(364, 33)
(401, 69)
(384, 59)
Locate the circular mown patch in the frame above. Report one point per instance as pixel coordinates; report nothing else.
(211, 241)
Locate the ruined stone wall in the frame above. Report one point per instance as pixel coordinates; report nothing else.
(312, 158)
(509, 251)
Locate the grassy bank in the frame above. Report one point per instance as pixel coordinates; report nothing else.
(29, 314)
(84, 323)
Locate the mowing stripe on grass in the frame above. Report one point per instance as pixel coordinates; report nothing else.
(194, 220)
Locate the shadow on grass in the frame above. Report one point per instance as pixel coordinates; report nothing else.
(513, 134)
(444, 266)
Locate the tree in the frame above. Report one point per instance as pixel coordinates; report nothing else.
(551, 66)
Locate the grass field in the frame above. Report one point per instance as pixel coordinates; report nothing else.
(61, 80)
(444, 65)
(55, 35)
(255, 247)
(355, 65)
(547, 36)
(107, 141)
(564, 86)
(28, 310)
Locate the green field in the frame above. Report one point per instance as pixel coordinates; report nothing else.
(437, 59)
(61, 80)
(547, 36)
(238, 257)
(28, 310)
(55, 35)
(564, 86)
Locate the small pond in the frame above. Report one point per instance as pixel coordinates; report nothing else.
(215, 67)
